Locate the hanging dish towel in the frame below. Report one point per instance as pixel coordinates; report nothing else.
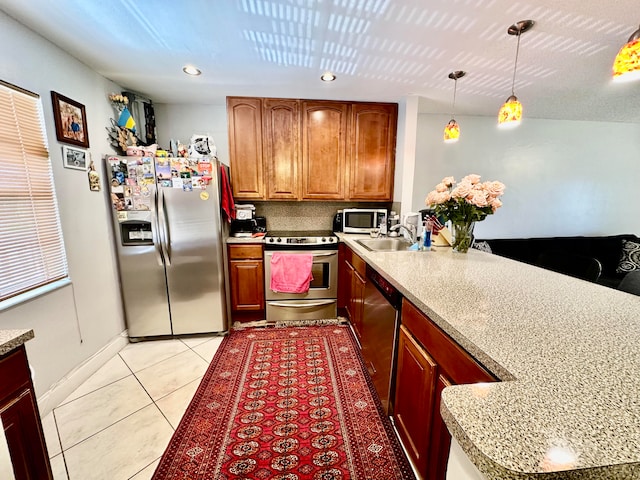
(226, 197)
(291, 272)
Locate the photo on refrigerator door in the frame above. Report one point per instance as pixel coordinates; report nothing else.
(117, 198)
(147, 172)
(141, 198)
(119, 171)
(187, 185)
(163, 172)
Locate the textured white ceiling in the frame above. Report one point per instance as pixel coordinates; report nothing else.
(380, 50)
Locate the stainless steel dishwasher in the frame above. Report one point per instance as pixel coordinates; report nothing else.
(379, 332)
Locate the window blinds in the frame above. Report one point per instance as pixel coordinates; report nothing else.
(31, 245)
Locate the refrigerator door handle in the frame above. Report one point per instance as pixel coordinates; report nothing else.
(155, 233)
(162, 220)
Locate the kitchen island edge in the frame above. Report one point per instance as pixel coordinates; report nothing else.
(422, 277)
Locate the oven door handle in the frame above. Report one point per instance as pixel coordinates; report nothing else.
(328, 254)
(302, 305)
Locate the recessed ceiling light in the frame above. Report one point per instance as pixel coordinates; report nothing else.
(191, 70)
(328, 77)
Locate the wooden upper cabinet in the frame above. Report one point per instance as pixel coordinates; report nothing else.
(372, 154)
(324, 133)
(289, 149)
(281, 127)
(244, 116)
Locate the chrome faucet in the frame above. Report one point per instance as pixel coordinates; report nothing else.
(411, 229)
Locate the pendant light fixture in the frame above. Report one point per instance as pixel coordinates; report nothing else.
(452, 130)
(510, 113)
(626, 66)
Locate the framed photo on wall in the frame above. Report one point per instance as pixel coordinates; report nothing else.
(71, 120)
(75, 158)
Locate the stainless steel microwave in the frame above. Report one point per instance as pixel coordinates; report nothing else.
(362, 220)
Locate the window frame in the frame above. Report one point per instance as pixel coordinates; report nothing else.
(33, 258)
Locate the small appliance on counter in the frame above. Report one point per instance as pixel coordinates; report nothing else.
(245, 212)
(247, 228)
(337, 222)
(362, 220)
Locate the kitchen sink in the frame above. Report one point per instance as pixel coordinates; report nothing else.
(385, 244)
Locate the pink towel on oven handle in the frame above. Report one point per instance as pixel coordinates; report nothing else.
(291, 272)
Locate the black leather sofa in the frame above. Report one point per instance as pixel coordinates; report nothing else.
(566, 250)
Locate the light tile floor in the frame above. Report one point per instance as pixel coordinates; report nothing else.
(117, 424)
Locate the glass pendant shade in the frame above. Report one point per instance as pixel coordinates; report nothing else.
(626, 66)
(451, 131)
(510, 113)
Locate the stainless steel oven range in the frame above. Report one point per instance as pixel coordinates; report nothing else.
(320, 301)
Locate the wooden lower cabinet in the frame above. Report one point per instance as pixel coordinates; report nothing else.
(21, 419)
(246, 279)
(352, 278)
(415, 390)
(358, 283)
(440, 436)
(428, 361)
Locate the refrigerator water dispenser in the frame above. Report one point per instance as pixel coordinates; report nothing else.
(136, 233)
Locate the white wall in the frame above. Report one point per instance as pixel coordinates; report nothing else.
(180, 121)
(405, 152)
(73, 323)
(562, 177)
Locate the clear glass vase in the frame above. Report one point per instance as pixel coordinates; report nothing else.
(462, 236)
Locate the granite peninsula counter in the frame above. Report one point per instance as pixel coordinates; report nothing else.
(567, 352)
(12, 339)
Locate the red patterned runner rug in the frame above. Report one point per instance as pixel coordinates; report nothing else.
(285, 404)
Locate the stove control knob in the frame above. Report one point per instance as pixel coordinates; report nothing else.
(279, 240)
(323, 239)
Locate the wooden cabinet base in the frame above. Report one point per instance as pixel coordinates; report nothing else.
(415, 385)
(428, 361)
(246, 282)
(245, 317)
(21, 420)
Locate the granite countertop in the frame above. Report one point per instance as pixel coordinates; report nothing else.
(567, 352)
(12, 339)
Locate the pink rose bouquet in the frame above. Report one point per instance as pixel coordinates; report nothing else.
(464, 203)
(468, 201)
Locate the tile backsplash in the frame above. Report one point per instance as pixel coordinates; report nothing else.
(299, 216)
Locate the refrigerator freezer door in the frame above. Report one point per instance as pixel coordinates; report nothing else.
(195, 269)
(144, 291)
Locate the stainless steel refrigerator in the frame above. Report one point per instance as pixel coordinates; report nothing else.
(168, 236)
